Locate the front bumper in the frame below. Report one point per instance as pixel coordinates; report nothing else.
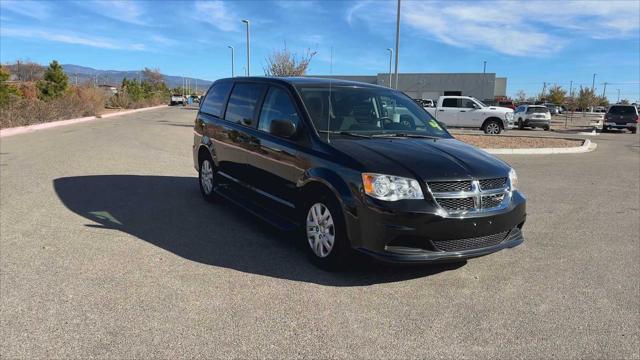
(409, 231)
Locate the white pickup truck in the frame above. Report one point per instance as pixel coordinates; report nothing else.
(465, 111)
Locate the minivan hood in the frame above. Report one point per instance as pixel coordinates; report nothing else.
(430, 160)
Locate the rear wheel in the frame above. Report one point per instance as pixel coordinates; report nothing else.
(520, 124)
(605, 129)
(546, 128)
(325, 232)
(633, 130)
(492, 127)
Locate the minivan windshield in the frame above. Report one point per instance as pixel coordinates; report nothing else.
(368, 111)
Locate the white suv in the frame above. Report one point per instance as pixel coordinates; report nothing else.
(533, 116)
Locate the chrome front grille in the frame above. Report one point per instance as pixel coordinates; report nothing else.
(450, 186)
(461, 197)
(470, 243)
(490, 184)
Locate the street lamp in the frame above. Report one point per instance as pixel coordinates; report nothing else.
(231, 47)
(248, 49)
(397, 41)
(390, 58)
(593, 83)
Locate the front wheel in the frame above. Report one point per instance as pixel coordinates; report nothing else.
(546, 128)
(325, 234)
(492, 128)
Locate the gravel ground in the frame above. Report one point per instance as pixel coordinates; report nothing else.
(516, 142)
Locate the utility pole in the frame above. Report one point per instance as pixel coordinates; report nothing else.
(571, 88)
(604, 92)
(593, 83)
(248, 47)
(390, 58)
(617, 102)
(232, 56)
(76, 79)
(484, 67)
(397, 42)
(544, 90)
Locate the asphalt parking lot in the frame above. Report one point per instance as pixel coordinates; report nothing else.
(107, 250)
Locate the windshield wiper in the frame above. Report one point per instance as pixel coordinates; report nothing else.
(345, 133)
(408, 135)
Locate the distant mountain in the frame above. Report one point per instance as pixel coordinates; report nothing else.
(114, 77)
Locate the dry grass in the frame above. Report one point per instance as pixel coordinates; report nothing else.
(76, 102)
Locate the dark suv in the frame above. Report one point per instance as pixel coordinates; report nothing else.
(621, 117)
(354, 167)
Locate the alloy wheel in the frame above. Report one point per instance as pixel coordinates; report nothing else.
(493, 128)
(206, 176)
(321, 231)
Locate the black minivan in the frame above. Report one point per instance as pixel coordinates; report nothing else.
(353, 167)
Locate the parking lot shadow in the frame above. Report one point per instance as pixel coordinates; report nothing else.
(168, 212)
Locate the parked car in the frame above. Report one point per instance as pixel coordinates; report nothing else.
(353, 166)
(465, 111)
(177, 99)
(533, 116)
(553, 109)
(621, 117)
(507, 104)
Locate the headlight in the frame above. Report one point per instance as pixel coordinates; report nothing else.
(509, 116)
(513, 179)
(391, 188)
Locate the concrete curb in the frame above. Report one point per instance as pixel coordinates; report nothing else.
(53, 124)
(587, 146)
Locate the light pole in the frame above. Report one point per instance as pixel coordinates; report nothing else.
(248, 47)
(397, 42)
(390, 58)
(232, 72)
(484, 67)
(593, 83)
(617, 102)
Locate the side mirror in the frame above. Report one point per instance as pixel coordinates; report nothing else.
(282, 127)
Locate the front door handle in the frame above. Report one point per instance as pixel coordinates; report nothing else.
(440, 110)
(463, 110)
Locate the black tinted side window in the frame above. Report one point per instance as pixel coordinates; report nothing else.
(242, 103)
(450, 102)
(277, 106)
(213, 104)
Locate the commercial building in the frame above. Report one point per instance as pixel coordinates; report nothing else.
(431, 86)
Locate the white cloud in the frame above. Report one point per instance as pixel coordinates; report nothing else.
(217, 14)
(34, 9)
(128, 11)
(532, 28)
(70, 38)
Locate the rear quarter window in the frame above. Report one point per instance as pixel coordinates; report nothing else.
(213, 103)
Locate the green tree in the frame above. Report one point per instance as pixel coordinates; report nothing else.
(602, 101)
(6, 89)
(54, 82)
(586, 98)
(557, 95)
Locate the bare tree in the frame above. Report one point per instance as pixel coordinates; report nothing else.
(521, 96)
(26, 70)
(153, 75)
(285, 63)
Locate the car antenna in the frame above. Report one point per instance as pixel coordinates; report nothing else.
(329, 107)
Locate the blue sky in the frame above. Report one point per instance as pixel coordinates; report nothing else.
(528, 42)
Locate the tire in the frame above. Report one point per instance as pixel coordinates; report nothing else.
(206, 178)
(633, 130)
(604, 129)
(325, 233)
(492, 127)
(546, 128)
(520, 124)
